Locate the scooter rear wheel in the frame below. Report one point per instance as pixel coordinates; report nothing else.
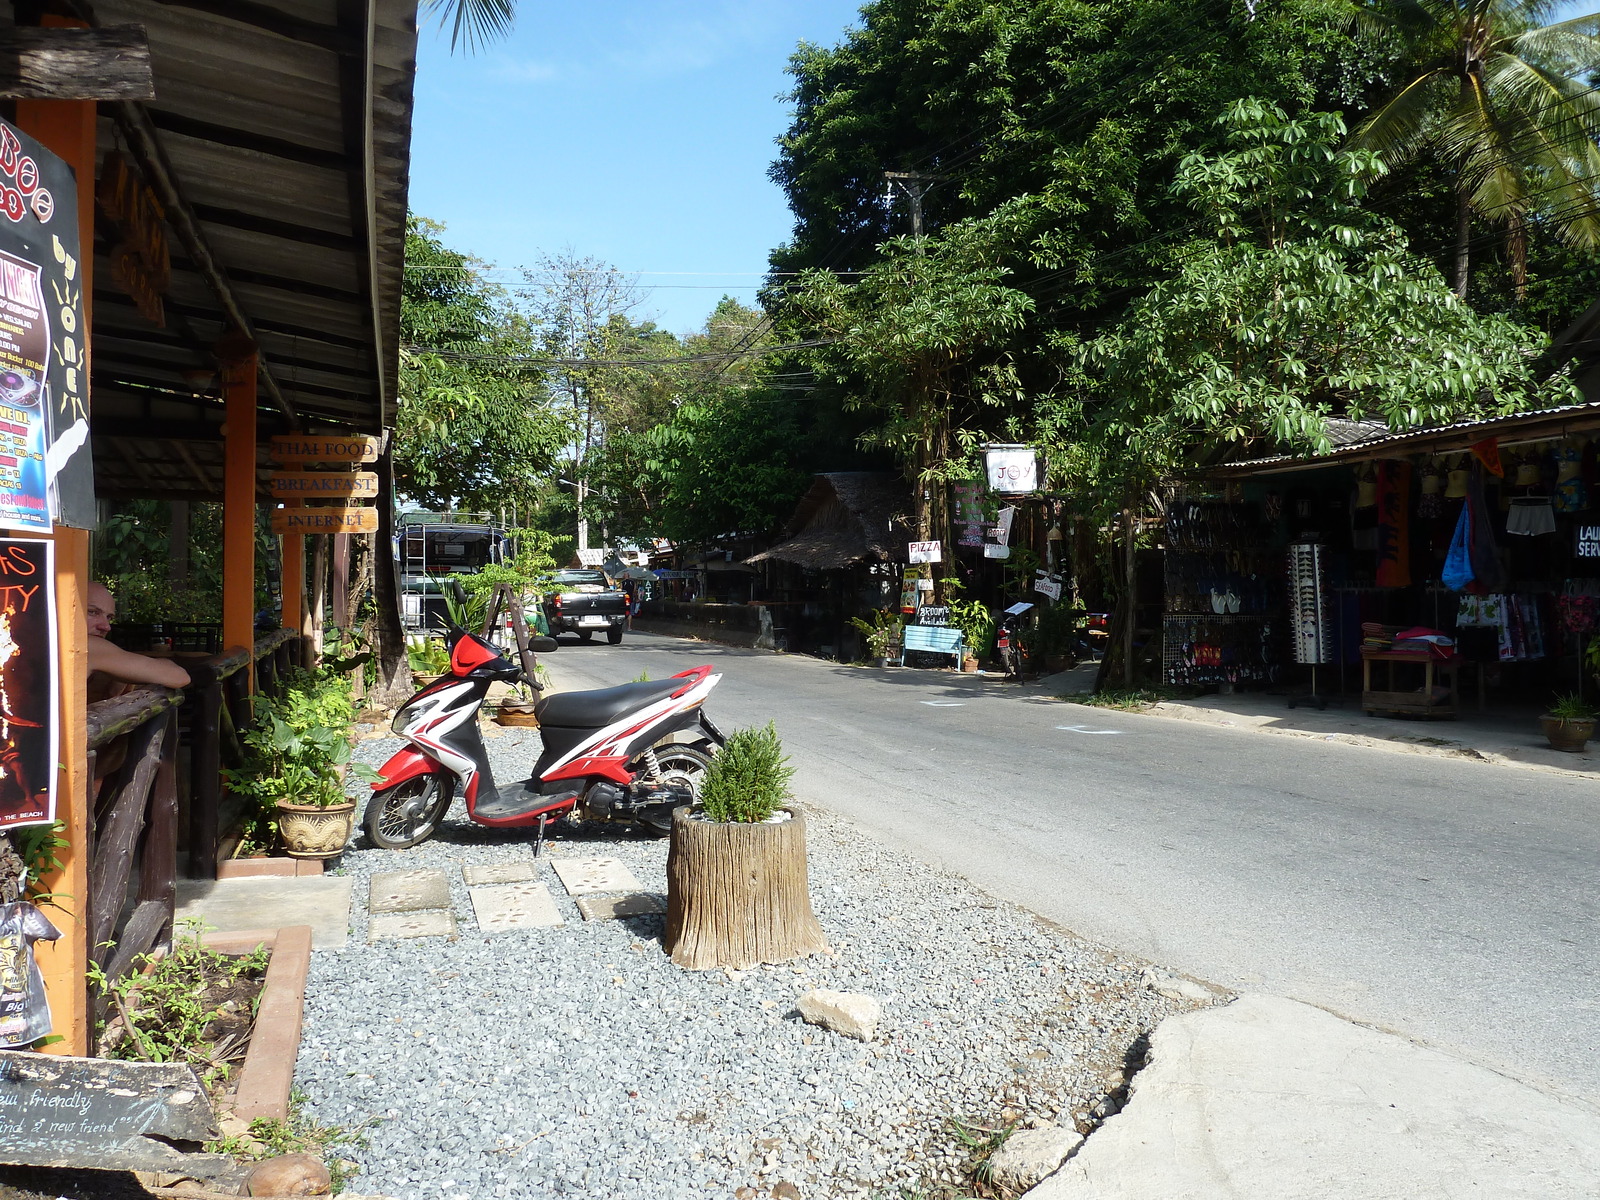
(408, 813)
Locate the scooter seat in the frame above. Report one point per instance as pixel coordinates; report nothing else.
(596, 710)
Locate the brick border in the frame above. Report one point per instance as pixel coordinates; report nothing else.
(255, 868)
(265, 1080)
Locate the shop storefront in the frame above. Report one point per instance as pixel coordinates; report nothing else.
(1420, 574)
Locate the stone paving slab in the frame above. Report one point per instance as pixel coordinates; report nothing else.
(236, 905)
(590, 876)
(514, 906)
(609, 908)
(408, 891)
(393, 926)
(513, 872)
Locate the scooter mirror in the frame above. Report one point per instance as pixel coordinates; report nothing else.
(542, 645)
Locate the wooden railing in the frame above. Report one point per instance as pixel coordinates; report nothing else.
(136, 810)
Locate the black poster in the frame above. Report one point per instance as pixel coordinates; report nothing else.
(46, 466)
(28, 683)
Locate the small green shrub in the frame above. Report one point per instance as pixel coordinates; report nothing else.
(748, 780)
(1573, 707)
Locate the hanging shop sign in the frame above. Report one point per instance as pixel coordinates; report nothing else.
(295, 447)
(910, 597)
(1011, 470)
(29, 682)
(1046, 586)
(934, 614)
(46, 469)
(325, 520)
(1587, 542)
(141, 262)
(990, 550)
(594, 556)
(924, 552)
(328, 485)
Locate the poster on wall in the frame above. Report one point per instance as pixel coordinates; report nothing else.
(28, 682)
(46, 467)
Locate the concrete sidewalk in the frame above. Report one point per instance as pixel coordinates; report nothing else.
(1509, 737)
(1268, 1097)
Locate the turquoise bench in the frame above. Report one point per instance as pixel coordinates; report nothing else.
(937, 639)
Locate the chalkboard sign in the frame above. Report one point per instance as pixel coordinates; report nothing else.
(933, 614)
(57, 1111)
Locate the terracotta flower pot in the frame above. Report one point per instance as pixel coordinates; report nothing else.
(969, 665)
(311, 831)
(1568, 734)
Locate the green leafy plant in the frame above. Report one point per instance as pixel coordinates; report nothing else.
(882, 629)
(38, 847)
(431, 657)
(748, 780)
(191, 1005)
(976, 623)
(1573, 707)
(981, 1142)
(298, 1134)
(299, 751)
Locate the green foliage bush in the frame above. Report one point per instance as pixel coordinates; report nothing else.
(300, 742)
(748, 779)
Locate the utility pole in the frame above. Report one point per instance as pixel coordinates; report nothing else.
(915, 185)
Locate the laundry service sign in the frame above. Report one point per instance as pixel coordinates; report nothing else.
(46, 469)
(1587, 544)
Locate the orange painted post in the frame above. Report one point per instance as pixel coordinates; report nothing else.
(67, 128)
(294, 578)
(239, 499)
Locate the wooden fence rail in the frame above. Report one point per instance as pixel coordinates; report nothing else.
(135, 820)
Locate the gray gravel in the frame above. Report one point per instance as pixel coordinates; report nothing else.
(579, 1061)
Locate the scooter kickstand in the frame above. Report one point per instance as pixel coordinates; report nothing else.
(538, 842)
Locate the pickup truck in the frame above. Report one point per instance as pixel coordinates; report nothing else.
(584, 602)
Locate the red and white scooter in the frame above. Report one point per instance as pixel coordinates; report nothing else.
(632, 752)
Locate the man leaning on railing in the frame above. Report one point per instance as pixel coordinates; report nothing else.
(113, 670)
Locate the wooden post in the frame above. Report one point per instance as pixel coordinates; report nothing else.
(319, 593)
(293, 578)
(67, 128)
(239, 499)
(339, 589)
(1131, 583)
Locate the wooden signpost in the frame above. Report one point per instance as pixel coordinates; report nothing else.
(113, 1116)
(325, 520)
(324, 485)
(305, 448)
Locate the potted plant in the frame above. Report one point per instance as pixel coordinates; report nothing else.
(737, 888)
(1569, 723)
(882, 632)
(298, 757)
(976, 623)
(428, 661)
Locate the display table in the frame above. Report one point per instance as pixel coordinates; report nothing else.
(1417, 667)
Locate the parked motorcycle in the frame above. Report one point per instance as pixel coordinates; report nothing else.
(1008, 640)
(628, 753)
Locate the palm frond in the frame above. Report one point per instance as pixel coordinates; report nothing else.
(1403, 124)
(474, 23)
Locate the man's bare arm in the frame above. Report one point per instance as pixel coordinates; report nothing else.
(134, 668)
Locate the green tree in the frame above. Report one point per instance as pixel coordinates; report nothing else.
(1507, 108)
(1298, 306)
(474, 23)
(475, 428)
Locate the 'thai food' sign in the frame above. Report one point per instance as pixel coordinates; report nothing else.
(295, 447)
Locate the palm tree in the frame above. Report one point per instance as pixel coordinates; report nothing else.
(1506, 101)
(474, 22)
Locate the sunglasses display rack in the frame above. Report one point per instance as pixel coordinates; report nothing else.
(1311, 633)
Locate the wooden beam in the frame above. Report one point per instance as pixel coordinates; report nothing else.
(243, 139)
(306, 235)
(143, 143)
(188, 461)
(239, 504)
(356, 19)
(109, 63)
(67, 127)
(280, 328)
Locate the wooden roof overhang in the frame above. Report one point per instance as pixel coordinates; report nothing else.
(278, 141)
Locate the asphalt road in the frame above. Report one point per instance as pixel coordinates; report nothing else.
(1452, 901)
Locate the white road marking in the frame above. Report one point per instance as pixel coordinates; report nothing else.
(1086, 729)
(944, 703)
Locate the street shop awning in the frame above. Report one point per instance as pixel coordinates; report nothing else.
(277, 147)
(846, 517)
(1380, 442)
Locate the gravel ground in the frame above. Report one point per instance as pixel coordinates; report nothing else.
(578, 1061)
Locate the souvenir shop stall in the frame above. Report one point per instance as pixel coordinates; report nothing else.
(1430, 574)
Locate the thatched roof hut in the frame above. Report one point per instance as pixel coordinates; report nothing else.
(847, 517)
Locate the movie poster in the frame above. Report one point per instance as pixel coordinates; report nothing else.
(46, 465)
(28, 682)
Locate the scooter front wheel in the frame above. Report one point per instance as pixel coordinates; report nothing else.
(408, 813)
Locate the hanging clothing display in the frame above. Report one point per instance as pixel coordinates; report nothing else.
(1394, 524)
(1530, 516)
(1515, 620)
(1571, 495)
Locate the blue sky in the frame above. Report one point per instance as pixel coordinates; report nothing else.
(634, 131)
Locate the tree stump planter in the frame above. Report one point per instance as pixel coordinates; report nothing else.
(738, 894)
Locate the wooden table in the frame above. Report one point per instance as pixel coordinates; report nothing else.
(1434, 670)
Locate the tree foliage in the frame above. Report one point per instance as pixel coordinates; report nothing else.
(475, 428)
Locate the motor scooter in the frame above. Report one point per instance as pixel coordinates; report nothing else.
(630, 753)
